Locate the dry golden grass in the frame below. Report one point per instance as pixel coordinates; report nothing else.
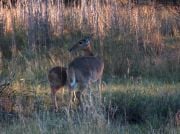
(136, 43)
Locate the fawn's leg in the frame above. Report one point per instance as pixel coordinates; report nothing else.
(62, 94)
(53, 98)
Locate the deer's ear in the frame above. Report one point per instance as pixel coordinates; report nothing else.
(87, 41)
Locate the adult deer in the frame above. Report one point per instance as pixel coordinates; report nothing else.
(57, 76)
(83, 45)
(84, 70)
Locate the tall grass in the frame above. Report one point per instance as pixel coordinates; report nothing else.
(138, 44)
(133, 40)
(127, 107)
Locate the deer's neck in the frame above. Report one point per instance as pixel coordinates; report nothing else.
(88, 53)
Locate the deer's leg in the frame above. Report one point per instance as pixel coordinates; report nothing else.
(70, 100)
(79, 97)
(90, 95)
(74, 97)
(99, 82)
(53, 98)
(62, 94)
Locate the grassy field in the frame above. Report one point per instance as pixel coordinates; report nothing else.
(146, 106)
(140, 46)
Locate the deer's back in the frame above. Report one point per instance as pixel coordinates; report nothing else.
(89, 67)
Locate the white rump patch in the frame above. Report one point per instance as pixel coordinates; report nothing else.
(73, 84)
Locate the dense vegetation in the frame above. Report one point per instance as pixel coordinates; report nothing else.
(140, 45)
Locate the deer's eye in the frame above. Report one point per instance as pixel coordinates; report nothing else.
(80, 42)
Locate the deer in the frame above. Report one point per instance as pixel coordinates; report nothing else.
(84, 70)
(83, 45)
(57, 76)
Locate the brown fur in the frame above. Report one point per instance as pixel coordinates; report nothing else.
(83, 45)
(57, 78)
(87, 70)
(6, 104)
(84, 70)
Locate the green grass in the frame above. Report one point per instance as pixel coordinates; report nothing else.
(144, 102)
(58, 126)
(127, 107)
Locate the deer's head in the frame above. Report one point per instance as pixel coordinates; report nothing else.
(83, 44)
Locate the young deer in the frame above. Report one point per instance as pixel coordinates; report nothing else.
(57, 78)
(84, 70)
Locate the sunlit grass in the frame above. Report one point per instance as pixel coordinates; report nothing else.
(141, 89)
(128, 106)
(149, 87)
(51, 123)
